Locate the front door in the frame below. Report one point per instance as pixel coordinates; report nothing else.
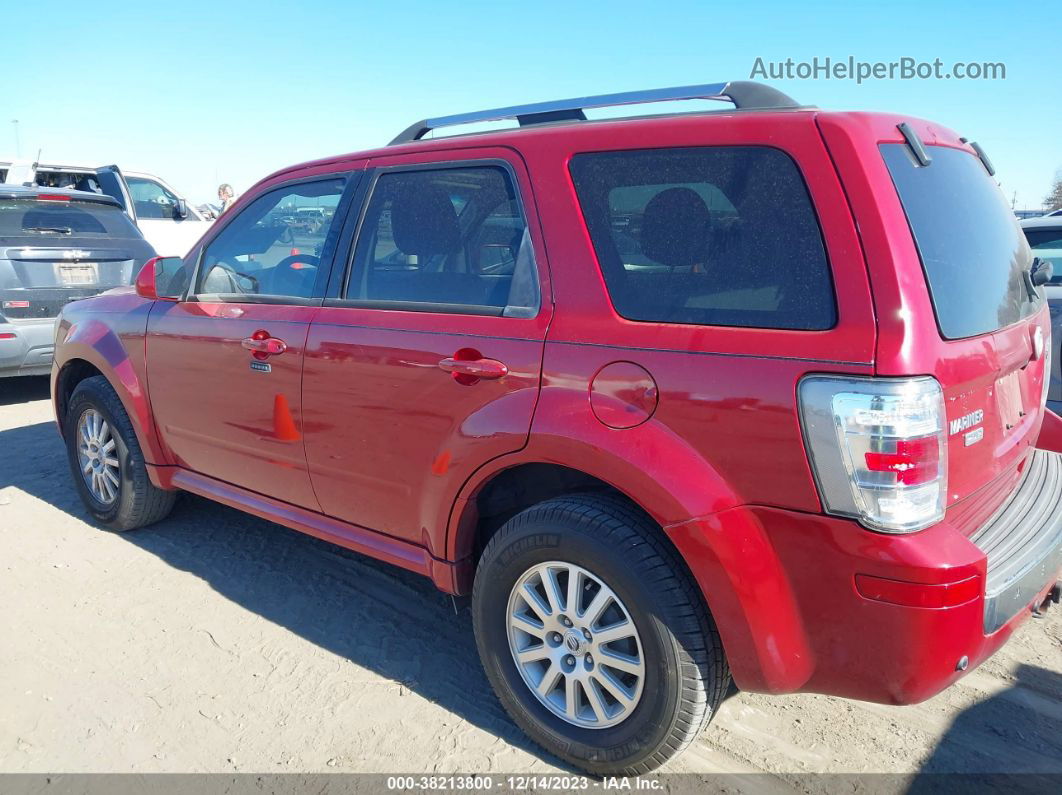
(225, 364)
(159, 216)
(426, 363)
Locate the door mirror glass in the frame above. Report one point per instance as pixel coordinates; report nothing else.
(180, 209)
(162, 279)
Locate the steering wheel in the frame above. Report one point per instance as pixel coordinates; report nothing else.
(307, 259)
(231, 273)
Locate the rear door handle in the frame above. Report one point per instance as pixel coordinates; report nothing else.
(474, 368)
(261, 344)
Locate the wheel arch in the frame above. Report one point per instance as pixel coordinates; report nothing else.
(93, 348)
(715, 554)
(72, 373)
(647, 465)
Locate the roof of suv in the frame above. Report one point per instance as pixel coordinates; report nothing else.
(566, 116)
(36, 192)
(566, 119)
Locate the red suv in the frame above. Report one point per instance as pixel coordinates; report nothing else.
(749, 394)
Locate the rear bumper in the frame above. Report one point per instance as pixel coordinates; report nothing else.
(29, 350)
(1023, 541)
(792, 618)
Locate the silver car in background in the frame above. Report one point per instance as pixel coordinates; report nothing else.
(56, 246)
(1045, 238)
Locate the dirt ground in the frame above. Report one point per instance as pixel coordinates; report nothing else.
(217, 642)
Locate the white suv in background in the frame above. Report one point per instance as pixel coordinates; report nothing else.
(165, 218)
(167, 221)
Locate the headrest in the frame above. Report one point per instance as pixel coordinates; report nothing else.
(675, 228)
(423, 221)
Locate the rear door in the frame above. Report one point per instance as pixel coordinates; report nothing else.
(225, 364)
(424, 362)
(113, 184)
(992, 335)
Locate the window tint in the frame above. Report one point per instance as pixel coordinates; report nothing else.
(151, 200)
(29, 219)
(714, 236)
(972, 249)
(1047, 244)
(273, 247)
(453, 236)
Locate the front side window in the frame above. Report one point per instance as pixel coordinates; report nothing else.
(445, 239)
(274, 246)
(710, 236)
(151, 200)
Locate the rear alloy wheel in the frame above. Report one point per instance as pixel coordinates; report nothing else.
(594, 635)
(575, 645)
(106, 461)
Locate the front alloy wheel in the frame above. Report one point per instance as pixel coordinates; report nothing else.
(98, 457)
(108, 466)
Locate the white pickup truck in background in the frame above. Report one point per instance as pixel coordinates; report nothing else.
(165, 218)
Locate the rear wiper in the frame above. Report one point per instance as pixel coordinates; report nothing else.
(62, 230)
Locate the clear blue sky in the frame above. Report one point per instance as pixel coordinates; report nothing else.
(205, 92)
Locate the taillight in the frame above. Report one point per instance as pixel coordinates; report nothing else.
(878, 448)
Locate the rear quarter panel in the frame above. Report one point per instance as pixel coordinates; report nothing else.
(909, 341)
(726, 428)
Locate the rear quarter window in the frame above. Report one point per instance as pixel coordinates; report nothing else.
(721, 236)
(33, 219)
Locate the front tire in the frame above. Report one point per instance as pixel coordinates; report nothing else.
(594, 637)
(106, 460)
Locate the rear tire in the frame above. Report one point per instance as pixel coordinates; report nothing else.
(106, 461)
(610, 544)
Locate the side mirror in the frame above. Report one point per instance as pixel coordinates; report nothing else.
(1042, 271)
(180, 209)
(159, 279)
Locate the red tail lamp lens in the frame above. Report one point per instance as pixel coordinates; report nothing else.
(915, 460)
(916, 594)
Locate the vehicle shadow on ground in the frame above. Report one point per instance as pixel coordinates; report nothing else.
(1011, 742)
(379, 617)
(23, 389)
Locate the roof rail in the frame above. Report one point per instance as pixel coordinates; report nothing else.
(744, 94)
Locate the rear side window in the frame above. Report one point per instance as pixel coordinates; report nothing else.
(33, 219)
(722, 236)
(446, 240)
(972, 249)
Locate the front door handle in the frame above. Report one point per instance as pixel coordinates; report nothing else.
(261, 344)
(465, 369)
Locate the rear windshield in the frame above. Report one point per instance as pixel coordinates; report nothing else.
(972, 249)
(722, 236)
(34, 219)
